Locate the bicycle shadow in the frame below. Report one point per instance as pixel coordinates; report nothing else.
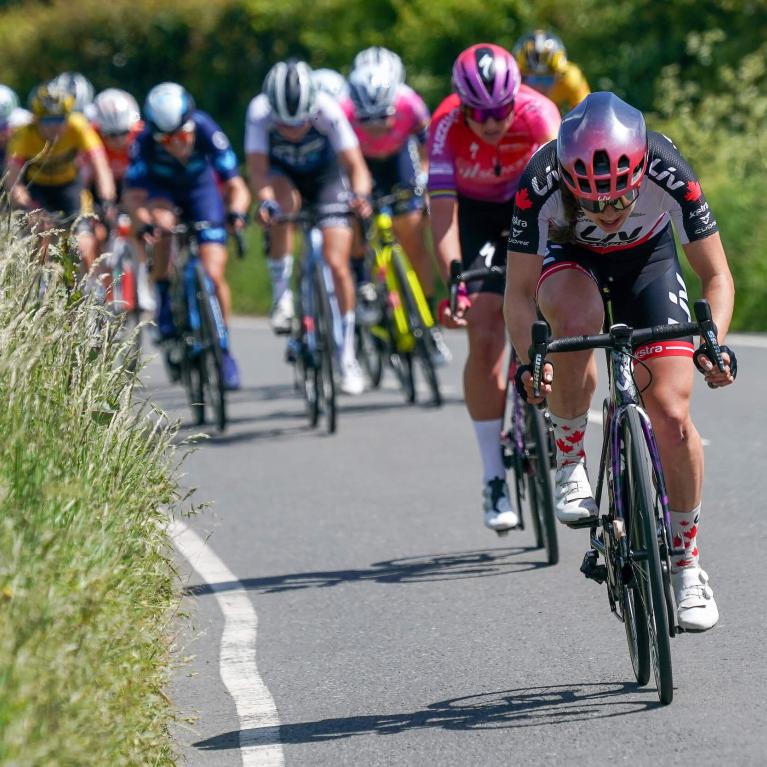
(431, 567)
(507, 709)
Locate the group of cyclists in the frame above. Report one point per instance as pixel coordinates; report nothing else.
(574, 207)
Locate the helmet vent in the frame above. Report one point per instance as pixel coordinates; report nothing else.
(601, 163)
(580, 168)
(624, 163)
(603, 186)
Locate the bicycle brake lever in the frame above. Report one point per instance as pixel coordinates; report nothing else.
(708, 332)
(455, 273)
(538, 354)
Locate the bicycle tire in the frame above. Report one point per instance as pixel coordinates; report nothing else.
(419, 330)
(539, 480)
(192, 378)
(647, 571)
(211, 352)
(637, 636)
(323, 328)
(370, 354)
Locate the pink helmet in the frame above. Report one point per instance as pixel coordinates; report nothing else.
(602, 148)
(486, 76)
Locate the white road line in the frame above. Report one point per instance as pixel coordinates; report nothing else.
(259, 723)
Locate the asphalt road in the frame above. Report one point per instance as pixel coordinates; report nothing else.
(394, 629)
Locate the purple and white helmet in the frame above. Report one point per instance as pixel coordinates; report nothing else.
(486, 76)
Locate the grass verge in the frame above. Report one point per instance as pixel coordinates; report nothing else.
(87, 588)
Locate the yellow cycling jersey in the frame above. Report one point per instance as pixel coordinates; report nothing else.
(53, 164)
(566, 88)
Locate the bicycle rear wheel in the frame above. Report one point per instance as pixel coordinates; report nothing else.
(211, 352)
(326, 386)
(642, 510)
(192, 376)
(369, 353)
(539, 482)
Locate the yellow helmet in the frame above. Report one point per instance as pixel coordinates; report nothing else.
(540, 53)
(51, 100)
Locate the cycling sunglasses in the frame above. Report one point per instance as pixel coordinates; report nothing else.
(379, 118)
(180, 133)
(117, 134)
(619, 203)
(483, 115)
(52, 120)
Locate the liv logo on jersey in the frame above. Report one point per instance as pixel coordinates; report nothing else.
(551, 176)
(623, 238)
(666, 175)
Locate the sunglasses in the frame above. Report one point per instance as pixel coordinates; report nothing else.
(379, 118)
(619, 203)
(52, 120)
(118, 134)
(483, 115)
(177, 135)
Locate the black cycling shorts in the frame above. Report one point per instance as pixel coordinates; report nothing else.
(483, 230)
(399, 172)
(326, 191)
(65, 200)
(645, 285)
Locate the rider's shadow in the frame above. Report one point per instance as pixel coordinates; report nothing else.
(507, 709)
(432, 567)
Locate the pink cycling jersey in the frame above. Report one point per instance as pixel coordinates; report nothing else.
(411, 117)
(461, 163)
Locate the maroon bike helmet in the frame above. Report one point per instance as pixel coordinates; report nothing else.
(602, 148)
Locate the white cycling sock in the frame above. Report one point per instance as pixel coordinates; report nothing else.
(569, 434)
(347, 352)
(280, 270)
(684, 532)
(489, 441)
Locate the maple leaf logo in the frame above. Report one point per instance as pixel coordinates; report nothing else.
(522, 200)
(576, 436)
(693, 191)
(564, 447)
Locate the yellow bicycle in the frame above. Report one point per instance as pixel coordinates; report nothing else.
(401, 335)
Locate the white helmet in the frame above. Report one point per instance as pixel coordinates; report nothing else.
(20, 117)
(383, 59)
(167, 107)
(115, 111)
(373, 91)
(8, 102)
(290, 89)
(331, 82)
(76, 85)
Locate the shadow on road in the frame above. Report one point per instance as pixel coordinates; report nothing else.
(432, 567)
(507, 709)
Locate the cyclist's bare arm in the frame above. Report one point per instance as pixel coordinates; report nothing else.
(444, 228)
(17, 190)
(260, 186)
(135, 202)
(355, 166)
(708, 259)
(102, 173)
(519, 310)
(236, 195)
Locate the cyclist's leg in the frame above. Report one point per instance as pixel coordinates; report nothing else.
(162, 210)
(667, 388)
(280, 256)
(569, 299)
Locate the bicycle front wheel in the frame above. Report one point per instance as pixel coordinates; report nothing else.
(211, 352)
(644, 529)
(326, 386)
(539, 481)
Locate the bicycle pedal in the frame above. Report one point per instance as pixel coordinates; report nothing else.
(503, 533)
(586, 522)
(591, 569)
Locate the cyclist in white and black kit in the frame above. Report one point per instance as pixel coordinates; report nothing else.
(301, 149)
(593, 212)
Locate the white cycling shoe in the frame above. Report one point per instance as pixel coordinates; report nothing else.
(499, 515)
(352, 378)
(696, 608)
(282, 313)
(573, 497)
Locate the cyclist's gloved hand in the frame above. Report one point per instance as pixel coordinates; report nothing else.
(146, 232)
(268, 210)
(360, 204)
(109, 211)
(524, 383)
(462, 305)
(714, 377)
(236, 219)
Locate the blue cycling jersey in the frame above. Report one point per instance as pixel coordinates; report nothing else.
(151, 164)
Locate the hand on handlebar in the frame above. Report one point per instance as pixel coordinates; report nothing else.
(360, 204)
(447, 318)
(716, 378)
(523, 380)
(268, 210)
